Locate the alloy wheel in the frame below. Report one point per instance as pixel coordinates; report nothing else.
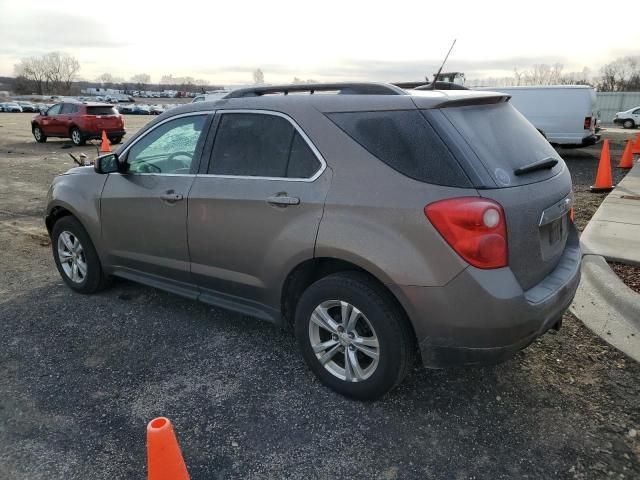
(71, 256)
(344, 341)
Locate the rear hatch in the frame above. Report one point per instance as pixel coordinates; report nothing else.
(510, 162)
(106, 117)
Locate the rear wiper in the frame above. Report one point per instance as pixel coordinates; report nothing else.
(543, 164)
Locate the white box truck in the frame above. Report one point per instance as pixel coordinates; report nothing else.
(564, 114)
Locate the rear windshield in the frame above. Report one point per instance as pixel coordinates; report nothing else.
(101, 111)
(504, 141)
(406, 142)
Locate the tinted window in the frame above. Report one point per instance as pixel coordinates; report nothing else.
(101, 111)
(68, 108)
(258, 145)
(503, 140)
(303, 163)
(55, 110)
(169, 148)
(406, 142)
(636, 112)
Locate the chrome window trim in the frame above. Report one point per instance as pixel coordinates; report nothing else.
(316, 152)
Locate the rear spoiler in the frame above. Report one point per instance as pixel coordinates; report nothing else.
(465, 102)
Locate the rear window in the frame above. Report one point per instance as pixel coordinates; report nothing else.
(504, 140)
(101, 111)
(406, 142)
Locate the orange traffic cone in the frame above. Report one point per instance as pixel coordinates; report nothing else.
(104, 148)
(164, 460)
(604, 182)
(636, 146)
(627, 157)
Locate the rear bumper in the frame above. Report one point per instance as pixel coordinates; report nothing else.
(98, 135)
(483, 316)
(586, 142)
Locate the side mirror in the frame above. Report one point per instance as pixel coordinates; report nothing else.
(109, 163)
(43, 113)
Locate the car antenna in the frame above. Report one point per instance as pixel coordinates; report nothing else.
(432, 86)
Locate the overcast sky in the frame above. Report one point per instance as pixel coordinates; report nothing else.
(328, 40)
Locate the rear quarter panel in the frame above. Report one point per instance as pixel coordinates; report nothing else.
(374, 216)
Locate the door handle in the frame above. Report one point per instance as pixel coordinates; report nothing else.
(283, 200)
(171, 197)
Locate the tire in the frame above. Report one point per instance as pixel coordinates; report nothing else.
(115, 140)
(628, 124)
(39, 135)
(379, 319)
(76, 137)
(92, 279)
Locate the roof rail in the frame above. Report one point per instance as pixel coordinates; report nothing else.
(342, 89)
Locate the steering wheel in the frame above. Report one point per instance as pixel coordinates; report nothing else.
(180, 163)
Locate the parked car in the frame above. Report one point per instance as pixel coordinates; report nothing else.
(564, 114)
(141, 110)
(156, 109)
(124, 108)
(629, 118)
(11, 107)
(28, 107)
(78, 121)
(376, 223)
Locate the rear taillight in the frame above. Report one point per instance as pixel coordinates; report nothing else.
(474, 227)
(587, 123)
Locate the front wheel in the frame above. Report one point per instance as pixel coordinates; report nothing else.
(354, 336)
(628, 124)
(39, 135)
(76, 137)
(76, 257)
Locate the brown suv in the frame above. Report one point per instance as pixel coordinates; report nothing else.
(79, 122)
(380, 224)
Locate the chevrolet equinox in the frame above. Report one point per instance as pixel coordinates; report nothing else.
(381, 225)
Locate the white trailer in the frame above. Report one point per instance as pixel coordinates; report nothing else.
(564, 114)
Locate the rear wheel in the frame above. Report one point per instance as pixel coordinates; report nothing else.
(76, 257)
(629, 124)
(115, 140)
(76, 137)
(353, 335)
(39, 135)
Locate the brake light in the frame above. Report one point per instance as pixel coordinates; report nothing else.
(474, 227)
(587, 123)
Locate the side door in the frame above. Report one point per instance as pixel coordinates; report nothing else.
(636, 116)
(51, 122)
(144, 211)
(254, 211)
(66, 116)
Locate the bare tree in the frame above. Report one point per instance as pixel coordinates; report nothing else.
(141, 80)
(623, 74)
(33, 69)
(258, 77)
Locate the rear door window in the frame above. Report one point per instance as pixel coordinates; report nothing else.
(503, 140)
(406, 142)
(261, 145)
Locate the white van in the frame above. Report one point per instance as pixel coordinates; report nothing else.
(211, 96)
(564, 114)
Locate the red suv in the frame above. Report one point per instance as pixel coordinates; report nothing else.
(79, 122)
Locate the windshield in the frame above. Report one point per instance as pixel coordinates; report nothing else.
(504, 140)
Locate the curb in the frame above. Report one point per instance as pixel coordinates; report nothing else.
(608, 307)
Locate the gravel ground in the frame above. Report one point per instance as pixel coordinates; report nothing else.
(630, 274)
(81, 376)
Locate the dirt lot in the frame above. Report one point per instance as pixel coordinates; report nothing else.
(80, 377)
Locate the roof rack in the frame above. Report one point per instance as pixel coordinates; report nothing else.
(341, 88)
